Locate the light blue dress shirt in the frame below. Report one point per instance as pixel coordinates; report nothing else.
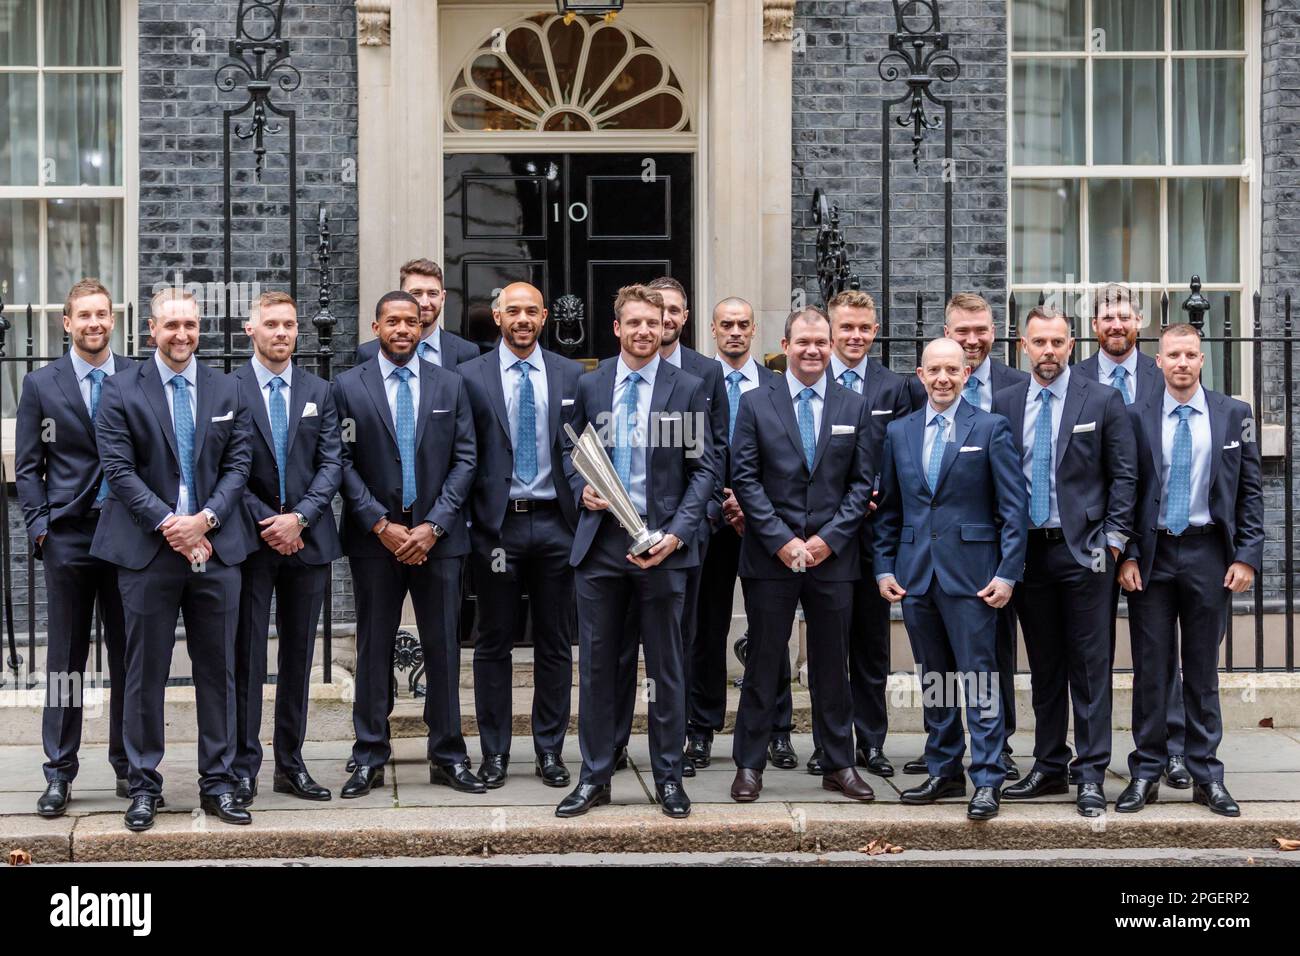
(640, 432)
(932, 433)
(838, 368)
(434, 341)
(264, 376)
(386, 370)
(1202, 448)
(1033, 407)
(82, 368)
(541, 487)
(183, 504)
(749, 370)
(984, 375)
(1106, 371)
(818, 400)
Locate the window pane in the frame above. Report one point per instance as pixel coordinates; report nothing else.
(18, 165)
(1204, 219)
(83, 33)
(1128, 25)
(1047, 25)
(1124, 230)
(1209, 124)
(1049, 113)
(85, 239)
(83, 128)
(1045, 240)
(1128, 112)
(20, 236)
(1208, 25)
(17, 32)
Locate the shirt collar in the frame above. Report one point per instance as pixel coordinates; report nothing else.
(1057, 388)
(675, 356)
(508, 358)
(82, 368)
(1107, 365)
(838, 368)
(647, 374)
(983, 371)
(749, 369)
(190, 372)
(797, 386)
(950, 412)
(434, 339)
(387, 366)
(1197, 402)
(264, 374)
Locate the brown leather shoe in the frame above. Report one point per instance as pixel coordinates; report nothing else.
(747, 785)
(848, 782)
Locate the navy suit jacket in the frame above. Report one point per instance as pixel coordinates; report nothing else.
(1236, 487)
(445, 457)
(782, 500)
(971, 528)
(56, 460)
(137, 446)
(1149, 377)
(314, 467)
(709, 370)
(1095, 462)
(765, 377)
(889, 398)
(455, 351)
(679, 480)
(496, 454)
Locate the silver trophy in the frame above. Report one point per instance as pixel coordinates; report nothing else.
(592, 462)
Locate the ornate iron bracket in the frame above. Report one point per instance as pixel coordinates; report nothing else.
(833, 274)
(909, 56)
(408, 655)
(1197, 305)
(569, 312)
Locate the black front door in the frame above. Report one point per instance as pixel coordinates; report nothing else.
(576, 225)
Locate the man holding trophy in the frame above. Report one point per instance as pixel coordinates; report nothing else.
(640, 460)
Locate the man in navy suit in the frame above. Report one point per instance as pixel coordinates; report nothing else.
(1199, 538)
(1076, 448)
(1118, 362)
(950, 544)
(174, 439)
(522, 532)
(733, 331)
(62, 491)
(654, 419)
(296, 470)
(422, 278)
(408, 472)
(802, 472)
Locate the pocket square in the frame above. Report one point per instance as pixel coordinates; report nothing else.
(566, 402)
(1231, 445)
(439, 411)
(882, 411)
(224, 418)
(309, 410)
(843, 429)
(972, 448)
(1085, 427)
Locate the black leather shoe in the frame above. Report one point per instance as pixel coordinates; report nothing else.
(1137, 795)
(933, 789)
(1216, 796)
(1176, 774)
(916, 767)
(492, 771)
(245, 791)
(583, 798)
(873, 760)
(1009, 766)
(363, 780)
(550, 767)
(141, 813)
(984, 805)
(457, 776)
(122, 788)
(224, 808)
(620, 759)
(351, 766)
(780, 753)
(54, 801)
(1037, 784)
(699, 751)
(1091, 800)
(674, 801)
(688, 767)
(300, 785)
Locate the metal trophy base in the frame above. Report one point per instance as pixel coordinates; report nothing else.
(643, 543)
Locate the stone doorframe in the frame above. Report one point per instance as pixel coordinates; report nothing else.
(747, 250)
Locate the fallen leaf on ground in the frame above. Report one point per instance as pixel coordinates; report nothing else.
(1285, 844)
(1266, 722)
(878, 846)
(19, 858)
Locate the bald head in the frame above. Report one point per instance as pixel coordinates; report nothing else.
(519, 313)
(943, 372)
(941, 348)
(733, 330)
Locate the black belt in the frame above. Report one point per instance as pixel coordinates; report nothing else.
(1191, 531)
(524, 505)
(1047, 534)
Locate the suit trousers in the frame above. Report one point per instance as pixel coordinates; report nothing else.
(207, 596)
(381, 585)
(532, 554)
(73, 582)
(1174, 706)
(299, 590)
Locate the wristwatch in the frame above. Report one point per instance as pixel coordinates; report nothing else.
(302, 519)
(211, 517)
(438, 532)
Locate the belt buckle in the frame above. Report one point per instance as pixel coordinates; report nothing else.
(521, 506)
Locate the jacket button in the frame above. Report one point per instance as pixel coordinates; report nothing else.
(934, 537)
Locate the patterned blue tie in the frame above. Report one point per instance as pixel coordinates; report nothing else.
(936, 451)
(526, 429)
(1119, 379)
(426, 351)
(849, 379)
(807, 433)
(183, 422)
(1180, 474)
(279, 431)
(972, 391)
(626, 425)
(406, 434)
(1041, 482)
(97, 377)
(733, 401)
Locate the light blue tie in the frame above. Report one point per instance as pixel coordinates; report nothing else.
(626, 425)
(97, 377)
(733, 402)
(426, 351)
(849, 379)
(1119, 378)
(406, 434)
(1180, 474)
(279, 431)
(183, 422)
(1041, 482)
(526, 429)
(936, 451)
(807, 433)
(972, 391)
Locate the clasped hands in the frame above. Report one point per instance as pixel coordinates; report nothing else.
(408, 545)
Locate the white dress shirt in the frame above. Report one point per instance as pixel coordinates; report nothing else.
(82, 368)
(386, 370)
(818, 400)
(1198, 513)
(1106, 371)
(838, 368)
(640, 431)
(264, 376)
(541, 487)
(1033, 406)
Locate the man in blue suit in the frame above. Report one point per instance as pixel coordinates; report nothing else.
(1199, 538)
(62, 491)
(422, 278)
(802, 472)
(654, 419)
(522, 532)
(173, 438)
(1076, 447)
(296, 470)
(950, 544)
(408, 472)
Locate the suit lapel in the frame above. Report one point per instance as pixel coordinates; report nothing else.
(1017, 420)
(830, 406)
(916, 439)
(203, 379)
(297, 402)
(373, 379)
(1152, 420)
(496, 390)
(428, 385)
(253, 396)
(1075, 395)
(66, 376)
(783, 405)
(152, 386)
(554, 393)
(1218, 431)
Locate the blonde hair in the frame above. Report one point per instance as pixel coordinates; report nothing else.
(268, 299)
(966, 302)
(171, 294)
